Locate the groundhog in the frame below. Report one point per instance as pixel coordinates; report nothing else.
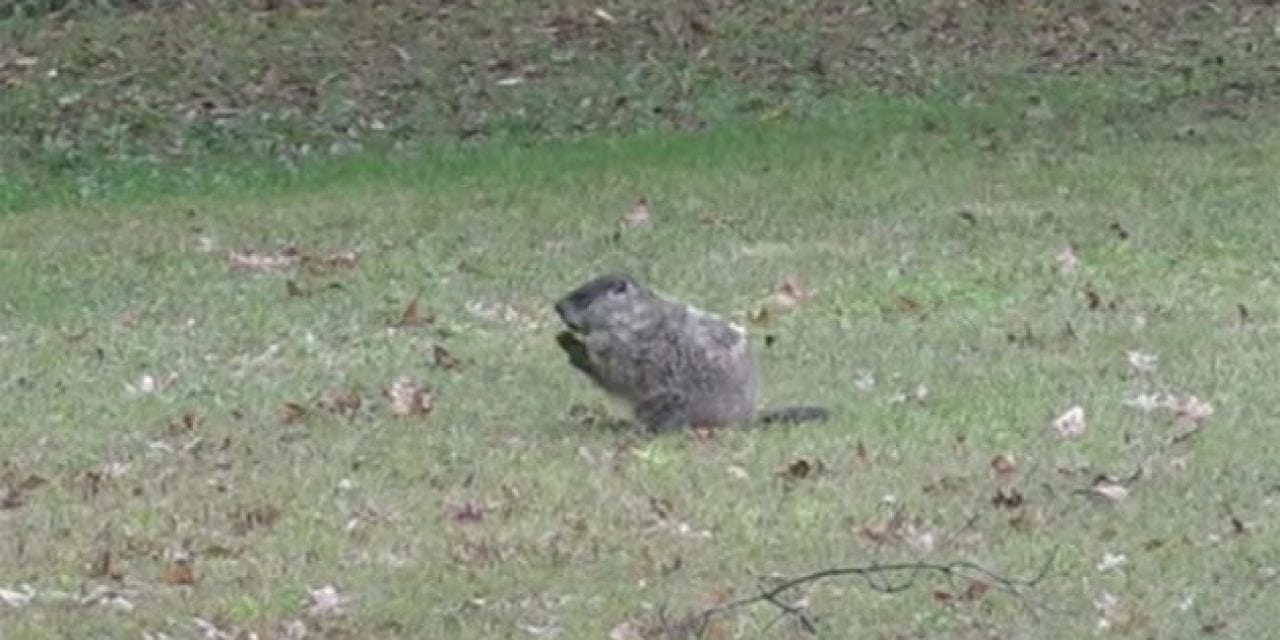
(675, 365)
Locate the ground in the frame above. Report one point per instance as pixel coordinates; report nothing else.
(248, 392)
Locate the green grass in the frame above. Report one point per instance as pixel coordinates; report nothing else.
(864, 209)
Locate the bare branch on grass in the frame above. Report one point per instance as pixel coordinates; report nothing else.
(885, 578)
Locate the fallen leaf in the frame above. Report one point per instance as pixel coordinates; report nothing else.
(341, 402)
(789, 294)
(1193, 409)
(1004, 467)
(1147, 402)
(18, 599)
(1067, 260)
(1142, 362)
(339, 260)
(179, 573)
(1010, 499)
(1109, 492)
(975, 590)
(326, 601)
(467, 511)
(639, 215)
(150, 384)
(443, 358)
(246, 519)
(800, 469)
(408, 398)
(1070, 424)
(12, 499)
(1111, 562)
(292, 412)
(411, 317)
(102, 566)
(250, 260)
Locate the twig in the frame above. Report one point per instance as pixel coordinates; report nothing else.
(772, 595)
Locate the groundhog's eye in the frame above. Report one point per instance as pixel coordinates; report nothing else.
(619, 287)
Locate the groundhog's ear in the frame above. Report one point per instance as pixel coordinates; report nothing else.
(620, 286)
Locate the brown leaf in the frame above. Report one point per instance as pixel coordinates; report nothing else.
(1010, 499)
(800, 469)
(908, 305)
(975, 590)
(246, 519)
(408, 398)
(860, 452)
(292, 412)
(1003, 466)
(1026, 518)
(639, 215)
(103, 566)
(185, 423)
(789, 294)
(411, 317)
(340, 402)
(178, 573)
(443, 358)
(467, 511)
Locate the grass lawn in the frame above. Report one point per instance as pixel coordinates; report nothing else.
(944, 325)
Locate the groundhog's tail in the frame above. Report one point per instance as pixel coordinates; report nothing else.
(792, 415)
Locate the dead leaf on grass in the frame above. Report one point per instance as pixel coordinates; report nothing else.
(326, 601)
(801, 469)
(1108, 492)
(1066, 260)
(1192, 408)
(180, 572)
(1070, 424)
(102, 565)
(466, 511)
(250, 260)
(1142, 362)
(246, 519)
(409, 398)
(443, 358)
(790, 294)
(1111, 562)
(292, 412)
(18, 599)
(334, 261)
(1004, 467)
(343, 402)
(639, 215)
(412, 317)
(151, 384)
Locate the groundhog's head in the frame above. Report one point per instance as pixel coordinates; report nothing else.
(599, 302)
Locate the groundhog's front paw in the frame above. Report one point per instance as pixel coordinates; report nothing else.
(569, 342)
